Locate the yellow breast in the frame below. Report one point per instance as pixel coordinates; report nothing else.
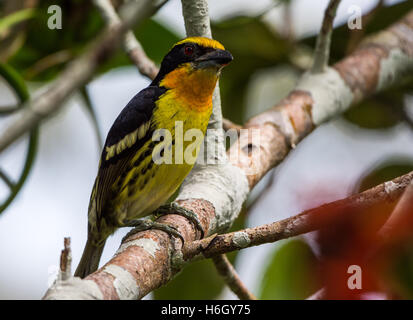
(192, 88)
(188, 100)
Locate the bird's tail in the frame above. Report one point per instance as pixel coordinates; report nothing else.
(90, 258)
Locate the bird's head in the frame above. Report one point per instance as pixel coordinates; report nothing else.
(194, 55)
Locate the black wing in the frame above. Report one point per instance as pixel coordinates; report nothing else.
(130, 131)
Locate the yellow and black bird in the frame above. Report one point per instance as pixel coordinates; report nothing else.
(130, 184)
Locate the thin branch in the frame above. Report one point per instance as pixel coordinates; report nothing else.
(65, 271)
(130, 44)
(231, 278)
(400, 223)
(307, 221)
(322, 49)
(7, 180)
(75, 75)
(6, 110)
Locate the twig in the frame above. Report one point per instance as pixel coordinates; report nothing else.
(130, 44)
(75, 75)
(65, 271)
(6, 110)
(7, 180)
(322, 49)
(231, 278)
(47, 62)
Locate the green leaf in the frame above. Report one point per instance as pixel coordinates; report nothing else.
(18, 86)
(400, 272)
(292, 273)
(384, 110)
(384, 171)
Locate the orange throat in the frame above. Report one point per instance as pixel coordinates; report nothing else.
(192, 87)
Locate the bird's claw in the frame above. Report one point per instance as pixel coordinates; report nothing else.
(146, 224)
(173, 208)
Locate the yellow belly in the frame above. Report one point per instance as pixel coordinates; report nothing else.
(158, 184)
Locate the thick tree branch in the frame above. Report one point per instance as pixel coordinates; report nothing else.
(75, 75)
(149, 259)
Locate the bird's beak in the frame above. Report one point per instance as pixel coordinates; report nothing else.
(217, 58)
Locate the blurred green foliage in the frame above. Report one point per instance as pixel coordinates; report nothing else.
(384, 171)
(254, 47)
(400, 272)
(198, 281)
(292, 272)
(19, 88)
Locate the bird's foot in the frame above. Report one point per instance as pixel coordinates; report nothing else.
(173, 208)
(146, 224)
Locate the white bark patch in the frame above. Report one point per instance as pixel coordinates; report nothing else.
(149, 245)
(241, 239)
(125, 285)
(223, 185)
(393, 67)
(390, 187)
(295, 223)
(74, 289)
(330, 93)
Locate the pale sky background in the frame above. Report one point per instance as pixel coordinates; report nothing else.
(54, 201)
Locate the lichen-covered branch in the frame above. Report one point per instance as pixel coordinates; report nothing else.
(398, 226)
(379, 62)
(310, 220)
(115, 280)
(149, 259)
(75, 75)
(131, 45)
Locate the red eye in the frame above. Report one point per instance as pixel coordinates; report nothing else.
(189, 51)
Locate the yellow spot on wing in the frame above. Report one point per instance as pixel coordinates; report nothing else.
(128, 141)
(204, 42)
